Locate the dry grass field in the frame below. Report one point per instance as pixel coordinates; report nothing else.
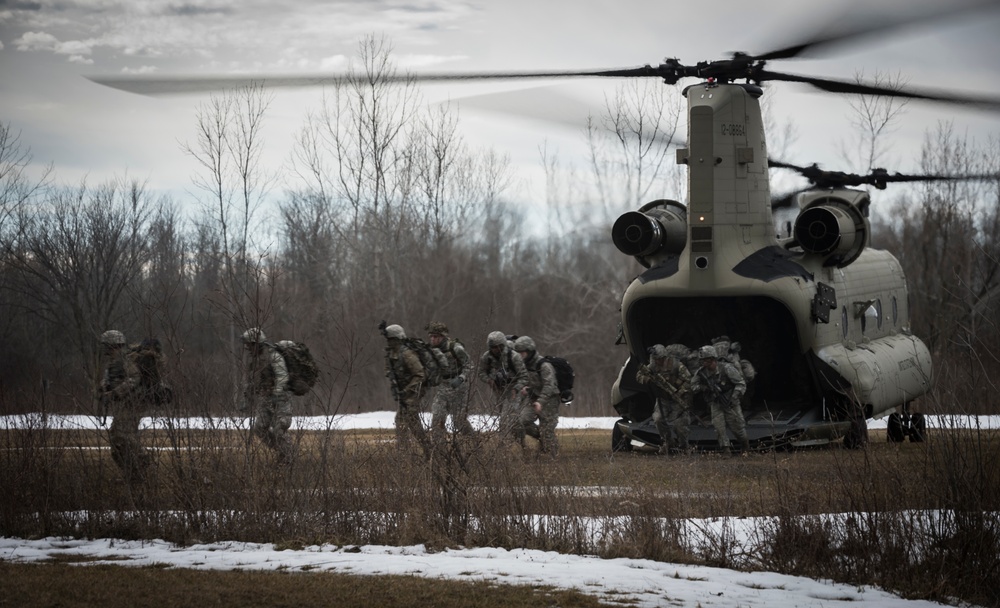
(925, 514)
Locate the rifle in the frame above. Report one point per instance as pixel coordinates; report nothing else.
(660, 381)
(390, 373)
(717, 393)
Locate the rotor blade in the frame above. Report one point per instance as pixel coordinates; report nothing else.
(899, 177)
(877, 27)
(782, 165)
(878, 178)
(854, 88)
(166, 85)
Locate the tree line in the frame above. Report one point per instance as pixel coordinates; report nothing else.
(390, 215)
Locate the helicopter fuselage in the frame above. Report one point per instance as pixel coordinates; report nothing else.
(822, 316)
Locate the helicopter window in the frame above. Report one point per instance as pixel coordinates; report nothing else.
(871, 314)
(895, 310)
(843, 320)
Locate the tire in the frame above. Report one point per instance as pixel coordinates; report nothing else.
(894, 429)
(918, 428)
(619, 442)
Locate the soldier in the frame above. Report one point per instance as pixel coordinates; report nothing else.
(406, 377)
(730, 351)
(542, 392)
(266, 393)
(502, 369)
(452, 395)
(120, 391)
(722, 385)
(672, 382)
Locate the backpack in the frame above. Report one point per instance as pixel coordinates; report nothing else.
(434, 361)
(302, 370)
(564, 377)
(147, 356)
(749, 373)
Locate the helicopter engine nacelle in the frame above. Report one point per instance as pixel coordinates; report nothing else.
(658, 228)
(833, 227)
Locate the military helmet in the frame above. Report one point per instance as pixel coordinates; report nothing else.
(113, 337)
(735, 347)
(658, 351)
(496, 338)
(524, 344)
(437, 327)
(395, 332)
(707, 352)
(254, 335)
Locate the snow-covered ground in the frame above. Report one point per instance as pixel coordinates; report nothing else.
(648, 583)
(384, 420)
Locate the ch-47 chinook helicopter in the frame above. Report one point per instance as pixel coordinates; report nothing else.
(822, 316)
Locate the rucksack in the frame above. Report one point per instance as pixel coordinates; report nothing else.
(147, 356)
(564, 377)
(302, 370)
(434, 361)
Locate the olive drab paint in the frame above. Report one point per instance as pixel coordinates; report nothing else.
(822, 317)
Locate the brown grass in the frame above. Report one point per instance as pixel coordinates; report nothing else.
(66, 586)
(357, 487)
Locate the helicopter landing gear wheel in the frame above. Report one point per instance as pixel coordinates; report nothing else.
(894, 428)
(619, 442)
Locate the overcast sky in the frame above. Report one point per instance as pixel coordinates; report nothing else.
(47, 47)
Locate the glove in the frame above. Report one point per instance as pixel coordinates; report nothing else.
(456, 381)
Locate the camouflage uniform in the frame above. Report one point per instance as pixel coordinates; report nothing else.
(503, 370)
(452, 395)
(266, 394)
(672, 382)
(727, 382)
(543, 399)
(730, 351)
(120, 391)
(406, 374)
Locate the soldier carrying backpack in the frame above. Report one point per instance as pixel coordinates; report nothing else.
(540, 413)
(452, 395)
(122, 390)
(406, 373)
(275, 372)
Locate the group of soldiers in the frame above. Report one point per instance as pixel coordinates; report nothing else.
(132, 382)
(714, 372)
(523, 384)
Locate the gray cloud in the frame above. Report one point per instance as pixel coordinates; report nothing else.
(195, 10)
(21, 6)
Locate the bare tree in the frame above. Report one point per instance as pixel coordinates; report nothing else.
(630, 144)
(73, 258)
(16, 187)
(228, 151)
(873, 117)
